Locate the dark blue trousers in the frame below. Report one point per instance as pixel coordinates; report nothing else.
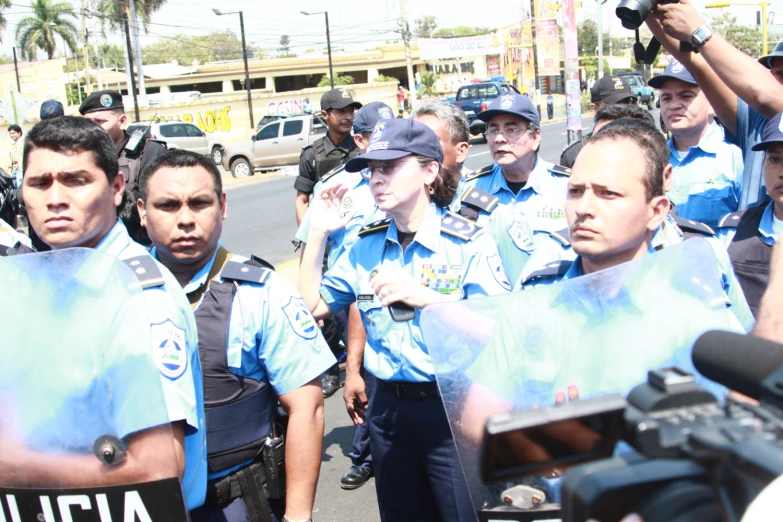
(418, 477)
(235, 511)
(360, 454)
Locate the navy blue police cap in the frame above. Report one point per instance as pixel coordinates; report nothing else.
(766, 61)
(368, 116)
(773, 133)
(397, 138)
(51, 109)
(101, 101)
(674, 71)
(511, 103)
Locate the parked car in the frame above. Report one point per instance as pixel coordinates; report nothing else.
(643, 92)
(269, 118)
(181, 135)
(277, 144)
(475, 97)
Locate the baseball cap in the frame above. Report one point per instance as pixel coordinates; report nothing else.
(773, 133)
(368, 116)
(397, 138)
(674, 71)
(511, 103)
(101, 101)
(766, 61)
(338, 99)
(51, 109)
(610, 89)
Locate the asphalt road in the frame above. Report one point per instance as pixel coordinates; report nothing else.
(261, 221)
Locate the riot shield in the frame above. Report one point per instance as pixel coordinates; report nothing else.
(600, 332)
(84, 429)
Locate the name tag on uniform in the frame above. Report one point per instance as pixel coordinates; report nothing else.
(365, 297)
(444, 279)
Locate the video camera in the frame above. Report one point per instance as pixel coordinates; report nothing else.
(632, 14)
(690, 458)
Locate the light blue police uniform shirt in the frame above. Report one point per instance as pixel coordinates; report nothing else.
(750, 131)
(766, 228)
(171, 319)
(731, 287)
(272, 336)
(707, 181)
(10, 237)
(448, 264)
(357, 199)
(521, 222)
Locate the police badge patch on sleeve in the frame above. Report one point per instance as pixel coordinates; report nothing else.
(496, 266)
(302, 321)
(169, 349)
(520, 237)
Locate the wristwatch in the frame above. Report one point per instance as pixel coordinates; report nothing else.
(700, 37)
(289, 520)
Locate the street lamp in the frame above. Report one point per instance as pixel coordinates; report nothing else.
(244, 57)
(328, 42)
(763, 4)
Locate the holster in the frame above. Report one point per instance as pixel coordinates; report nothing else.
(247, 483)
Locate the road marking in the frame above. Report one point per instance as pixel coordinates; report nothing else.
(479, 154)
(287, 264)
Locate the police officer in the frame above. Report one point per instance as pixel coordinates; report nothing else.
(750, 234)
(72, 186)
(134, 152)
(421, 254)
(609, 90)
(615, 206)
(527, 190)
(330, 151)
(257, 341)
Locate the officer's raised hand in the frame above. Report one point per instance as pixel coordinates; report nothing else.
(326, 205)
(679, 20)
(394, 285)
(573, 395)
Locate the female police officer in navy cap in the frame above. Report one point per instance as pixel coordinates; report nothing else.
(420, 255)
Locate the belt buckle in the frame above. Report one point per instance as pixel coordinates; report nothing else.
(400, 391)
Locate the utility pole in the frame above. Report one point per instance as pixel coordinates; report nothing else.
(16, 70)
(599, 24)
(130, 63)
(571, 61)
(535, 56)
(139, 68)
(85, 53)
(406, 37)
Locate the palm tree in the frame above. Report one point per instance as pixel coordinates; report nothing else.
(4, 4)
(115, 10)
(39, 31)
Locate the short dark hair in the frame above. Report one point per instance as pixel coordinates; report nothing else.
(616, 111)
(648, 138)
(179, 159)
(73, 135)
(15, 127)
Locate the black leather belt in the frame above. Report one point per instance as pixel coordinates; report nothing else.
(410, 390)
(223, 490)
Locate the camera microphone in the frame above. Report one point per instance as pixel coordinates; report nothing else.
(739, 362)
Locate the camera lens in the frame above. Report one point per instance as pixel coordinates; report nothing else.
(633, 12)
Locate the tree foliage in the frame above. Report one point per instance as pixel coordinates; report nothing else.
(746, 39)
(428, 80)
(587, 38)
(425, 26)
(49, 20)
(285, 45)
(114, 11)
(457, 32)
(4, 4)
(216, 46)
(338, 80)
(383, 78)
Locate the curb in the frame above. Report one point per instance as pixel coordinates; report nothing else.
(230, 181)
(564, 118)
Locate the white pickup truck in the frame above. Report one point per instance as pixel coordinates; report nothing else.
(275, 145)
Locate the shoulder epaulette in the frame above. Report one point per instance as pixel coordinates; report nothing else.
(480, 172)
(245, 272)
(338, 168)
(159, 142)
(731, 220)
(318, 145)
(381, 224)
(260, 262)
(553, 269)
(571, 145)
(562, 236)
(560, 170)
(146, 270)
(687, 225)
(480, 199)
(458, 226)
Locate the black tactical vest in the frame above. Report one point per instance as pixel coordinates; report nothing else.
(750, 256)
(324, 163)
(237, 409)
